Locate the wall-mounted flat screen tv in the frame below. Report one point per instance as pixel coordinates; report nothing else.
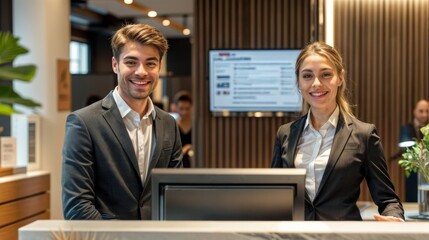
(253, 80)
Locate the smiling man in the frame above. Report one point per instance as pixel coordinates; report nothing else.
(111, 146)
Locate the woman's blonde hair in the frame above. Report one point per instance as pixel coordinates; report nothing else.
(331, 54)
(140, 33)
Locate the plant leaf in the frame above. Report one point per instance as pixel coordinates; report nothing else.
(9, 97)
(9, 47)
(416, 158)
(26, 102)
(425, 130)
(6, 110)
(24, 73)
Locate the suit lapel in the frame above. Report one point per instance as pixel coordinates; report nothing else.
(294, 136)
(114, 119)
(342, 135)
(157, 138)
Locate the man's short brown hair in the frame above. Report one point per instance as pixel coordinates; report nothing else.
(140, 33)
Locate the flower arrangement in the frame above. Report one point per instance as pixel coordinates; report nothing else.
(416, 158)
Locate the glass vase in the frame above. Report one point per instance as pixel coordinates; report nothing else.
(423, 196)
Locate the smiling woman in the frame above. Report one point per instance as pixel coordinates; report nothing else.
(319, 84)
(337, 149)
(334, 64)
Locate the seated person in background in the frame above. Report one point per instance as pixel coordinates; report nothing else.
(111, 146)
(337, 149)
(411, 132)
(183, 103)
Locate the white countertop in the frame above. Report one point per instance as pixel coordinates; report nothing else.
(19, 176)
(237, 230)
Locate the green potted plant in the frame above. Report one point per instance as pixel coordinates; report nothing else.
(9, 50)
(416, 159)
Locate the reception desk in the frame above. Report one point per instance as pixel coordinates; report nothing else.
(237, 230)
(215, 230)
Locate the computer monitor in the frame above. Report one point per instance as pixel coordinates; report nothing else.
(228, 194)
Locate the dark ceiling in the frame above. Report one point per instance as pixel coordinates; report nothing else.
(104, 16)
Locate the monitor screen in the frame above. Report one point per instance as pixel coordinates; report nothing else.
(254, 80)
(228, 194)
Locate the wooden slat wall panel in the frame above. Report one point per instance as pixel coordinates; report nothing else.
(240, 141)
(385, 48)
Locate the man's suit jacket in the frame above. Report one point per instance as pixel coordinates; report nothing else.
(100, 173)
(356, 154)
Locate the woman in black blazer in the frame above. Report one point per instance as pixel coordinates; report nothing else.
(337, 149)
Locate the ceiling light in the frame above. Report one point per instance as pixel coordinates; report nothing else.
(186, 31)
(164, 19)
(152, 13)
(166, 22)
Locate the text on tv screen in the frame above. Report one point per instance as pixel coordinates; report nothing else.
(257, 80)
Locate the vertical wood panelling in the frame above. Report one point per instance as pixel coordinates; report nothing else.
(385, 48)
(278, 26)
(272, 23)
(292, 22)
(241, 141)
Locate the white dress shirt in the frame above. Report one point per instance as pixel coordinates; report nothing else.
(313, 150)
(139, 130)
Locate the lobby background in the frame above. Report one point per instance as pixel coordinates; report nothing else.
(384, 44)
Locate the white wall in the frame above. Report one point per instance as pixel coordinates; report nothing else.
(44, 28)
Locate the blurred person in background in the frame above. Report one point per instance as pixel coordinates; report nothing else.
(409, 133)
(183, 104)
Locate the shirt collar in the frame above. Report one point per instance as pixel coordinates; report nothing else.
(124, 109)
(333, 119)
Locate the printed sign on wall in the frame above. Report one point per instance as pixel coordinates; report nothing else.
(64, 85)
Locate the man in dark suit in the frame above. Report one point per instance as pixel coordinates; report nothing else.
(111, 146)
(411, 132)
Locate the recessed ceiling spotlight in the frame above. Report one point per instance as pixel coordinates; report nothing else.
(152, 13)
(128, 1)
(186, 31)
(166, 22)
